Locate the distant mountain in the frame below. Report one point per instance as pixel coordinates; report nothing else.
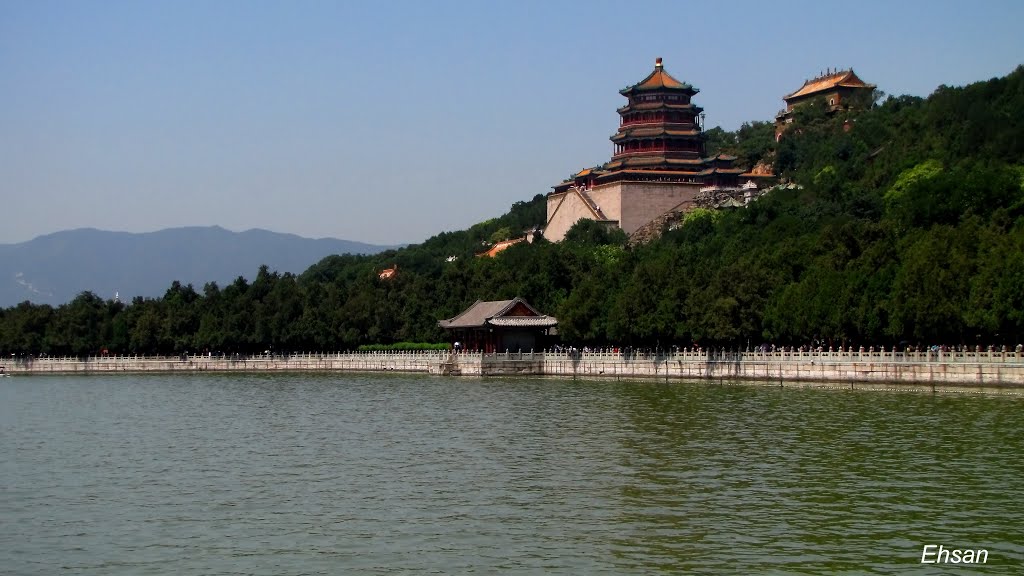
(54, 268)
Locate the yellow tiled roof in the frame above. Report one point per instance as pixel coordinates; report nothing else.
(656, 105)
(650, 160)
(500, 246)
(648, 131)
(844, 78)
(659, 79)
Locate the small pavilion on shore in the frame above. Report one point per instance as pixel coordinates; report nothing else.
(500, 326)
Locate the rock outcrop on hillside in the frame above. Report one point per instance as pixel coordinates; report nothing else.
(711, 198)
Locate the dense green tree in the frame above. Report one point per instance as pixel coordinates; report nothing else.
(900, 222)
(587, 231)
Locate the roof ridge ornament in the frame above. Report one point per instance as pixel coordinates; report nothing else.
(657, 62)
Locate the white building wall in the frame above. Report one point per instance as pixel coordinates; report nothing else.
(564, 210)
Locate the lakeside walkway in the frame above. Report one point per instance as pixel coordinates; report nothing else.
(925, 369)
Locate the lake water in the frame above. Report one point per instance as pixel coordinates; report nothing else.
(289, 474)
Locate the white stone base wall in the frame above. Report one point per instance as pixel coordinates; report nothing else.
(644, 201)
(631, 204)
(924, 370)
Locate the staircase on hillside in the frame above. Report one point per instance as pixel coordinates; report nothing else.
(590, 202)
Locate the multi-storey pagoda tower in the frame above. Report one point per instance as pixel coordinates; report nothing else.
(658, 163)
(658, 127)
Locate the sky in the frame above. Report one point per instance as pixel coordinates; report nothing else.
(389, 122)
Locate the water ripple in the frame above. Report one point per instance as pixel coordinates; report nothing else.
(323, 474)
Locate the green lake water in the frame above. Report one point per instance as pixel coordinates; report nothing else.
(288, 474)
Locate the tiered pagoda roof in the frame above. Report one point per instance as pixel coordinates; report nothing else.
(647, 161)
(660, 138)
(658, 125)
(649, 131)
(660, 79)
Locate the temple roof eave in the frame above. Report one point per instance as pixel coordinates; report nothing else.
(658, 132)
(627, 168)
(710, 171)
(481, 314)
(642, 159)
(651, 106)
(650, 84)
(639, 175)
(722, 156)
(659, 79)
(841, 79)
(524, 322)
(637, 171)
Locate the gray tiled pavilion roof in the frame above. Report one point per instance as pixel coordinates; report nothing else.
(482, 314)
(524, 321)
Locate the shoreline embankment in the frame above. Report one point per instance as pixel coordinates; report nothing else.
(924, 370)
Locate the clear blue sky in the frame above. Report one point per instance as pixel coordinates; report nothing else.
(388, 122)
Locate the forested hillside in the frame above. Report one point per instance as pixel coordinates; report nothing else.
(907, 224)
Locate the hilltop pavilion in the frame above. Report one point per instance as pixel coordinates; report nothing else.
(837, 88)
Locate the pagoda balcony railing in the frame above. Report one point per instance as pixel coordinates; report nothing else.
(656, 149)
(680, 123)
(688, 123)
(674, 105)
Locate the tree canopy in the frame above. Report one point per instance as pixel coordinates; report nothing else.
(905, 223)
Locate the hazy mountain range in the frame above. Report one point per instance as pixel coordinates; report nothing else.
(54, 268)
